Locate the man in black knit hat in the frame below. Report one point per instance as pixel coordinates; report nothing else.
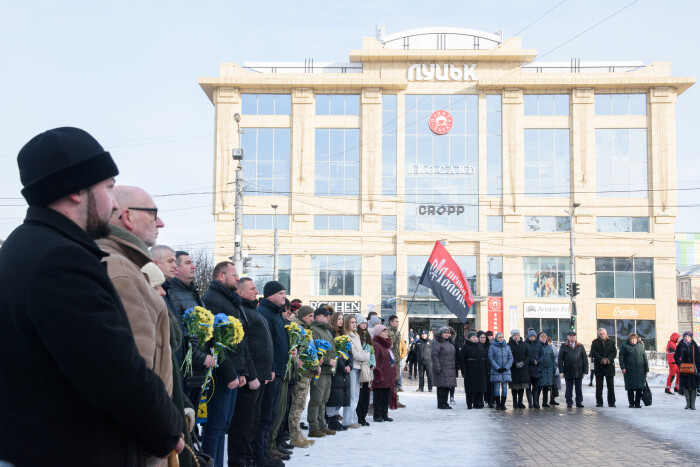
(69, 357)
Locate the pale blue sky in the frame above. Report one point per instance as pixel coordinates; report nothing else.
(127, 72)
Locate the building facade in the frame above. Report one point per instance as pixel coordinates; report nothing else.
(456, 135)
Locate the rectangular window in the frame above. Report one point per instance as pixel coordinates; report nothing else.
(619, 329)
(335, 275)
(337, 104)
(546, 276)
(495, 273)
(621, 163)
(266, 104)
(441, 169)
(547, 224)
(336, 222)
(620, 104)
(266, 161)
(337, 162)
(388, 285)
(389, 223)
(265, 222)
(494, 223)
(389, 145)
(555, 328)
(547, 172)
(493, 146)
(545, 104)
(624, 277)
(260, 269)
(623, 224)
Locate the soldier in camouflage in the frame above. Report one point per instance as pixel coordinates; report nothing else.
(305, 316)
(320, 389)
(395, 337)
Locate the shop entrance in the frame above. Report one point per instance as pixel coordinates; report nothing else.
(418, 324)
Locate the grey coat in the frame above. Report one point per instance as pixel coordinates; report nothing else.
(547, 365)
(500, 356)
(444, 363)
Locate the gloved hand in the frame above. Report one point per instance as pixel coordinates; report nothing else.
(519, 364)
(189, 415)
(501, 370)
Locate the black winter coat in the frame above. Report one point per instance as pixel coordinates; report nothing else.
(684, 354)
(474, 362)
(423, 353)
(280, 341)
(340, 382)
(219, 299)
(73, 388)
(521, 354)
(601, 349)
(633, 359)
(535, 349)
(183, 297)
(573, 363)
(259, 342)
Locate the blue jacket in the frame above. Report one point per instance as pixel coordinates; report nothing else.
(535, 356)
(500, 356)
(548, 366)
(280, 341)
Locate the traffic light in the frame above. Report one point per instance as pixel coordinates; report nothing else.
(568, 288)
(575, 289)
(247, 260)
(572, 323)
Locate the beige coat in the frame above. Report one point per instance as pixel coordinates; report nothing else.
(145, 308)
(360, 358)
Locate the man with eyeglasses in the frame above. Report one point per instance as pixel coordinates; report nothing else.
(232, 372)
(134, 228)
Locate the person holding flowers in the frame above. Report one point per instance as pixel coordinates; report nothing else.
(231, 370)
(321, 387)
(246, 414)
(340, 387)
(310, 367)
(359, 356)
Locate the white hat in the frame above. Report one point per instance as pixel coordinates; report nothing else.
(153, 274)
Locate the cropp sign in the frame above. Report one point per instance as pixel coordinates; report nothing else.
(440, 122)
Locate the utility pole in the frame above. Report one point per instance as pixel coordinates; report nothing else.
(275, 270)
(238, 209)
(573, 287)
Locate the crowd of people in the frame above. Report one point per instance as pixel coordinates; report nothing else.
(533, 367)
(108, 346)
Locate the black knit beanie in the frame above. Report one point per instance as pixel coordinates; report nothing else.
(62, 161)
(272, 288)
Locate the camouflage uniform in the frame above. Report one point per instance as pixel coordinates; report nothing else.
(299, 393)
(321, 389)
(395, 337)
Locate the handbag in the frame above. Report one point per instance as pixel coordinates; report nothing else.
(688, 368)
(646, 395)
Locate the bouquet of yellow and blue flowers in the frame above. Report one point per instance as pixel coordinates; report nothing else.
(342, 347)
(294, 334)
(228, 333)
(322, 347)
(199, 323)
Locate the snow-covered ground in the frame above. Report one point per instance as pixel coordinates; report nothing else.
(420, 435)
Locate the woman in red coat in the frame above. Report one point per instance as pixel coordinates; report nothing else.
(672, 367)
(383, 373)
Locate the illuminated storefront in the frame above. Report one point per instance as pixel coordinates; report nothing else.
(456, 135)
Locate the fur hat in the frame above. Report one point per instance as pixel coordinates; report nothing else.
(443, 329)
(489, 333)
(514, 331)
(62, 161)
(153, 274)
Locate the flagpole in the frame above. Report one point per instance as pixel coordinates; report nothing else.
(409, 306)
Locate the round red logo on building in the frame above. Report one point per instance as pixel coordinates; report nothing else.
(440, 122)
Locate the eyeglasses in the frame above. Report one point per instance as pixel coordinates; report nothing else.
(151, 210)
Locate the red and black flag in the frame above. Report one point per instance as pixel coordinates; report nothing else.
(446, 280)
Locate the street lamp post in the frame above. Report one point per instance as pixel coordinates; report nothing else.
(275, 270)
(238, 207)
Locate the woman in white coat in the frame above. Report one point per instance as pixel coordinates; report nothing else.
(359, 357)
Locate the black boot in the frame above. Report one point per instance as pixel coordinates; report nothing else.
(520, 398)
(528, 393)
(638, 399)
(514, 394)
(536, 397)
(693, 396)
(498, 402)
(630, 398)
(470, 401)
(503, 402)
(545, 396)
